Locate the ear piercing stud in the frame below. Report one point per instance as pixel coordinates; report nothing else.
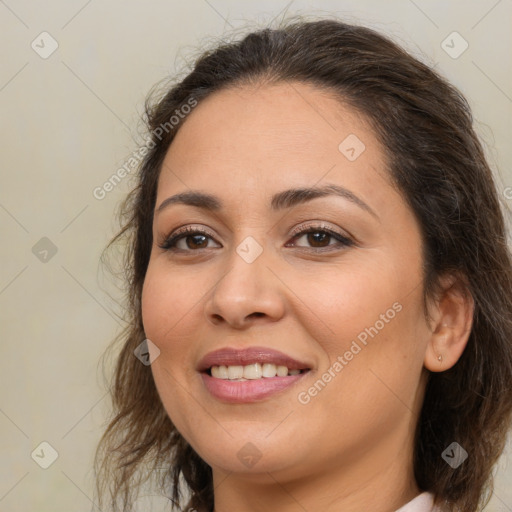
(439, 358)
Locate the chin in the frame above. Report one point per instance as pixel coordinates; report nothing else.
(248, 452)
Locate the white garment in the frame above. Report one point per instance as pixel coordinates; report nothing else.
(422, 503)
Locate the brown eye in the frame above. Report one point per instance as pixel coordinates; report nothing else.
(198, 241)
(320, 238)
(189, 239)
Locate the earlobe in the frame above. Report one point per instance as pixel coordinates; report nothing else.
(451, 327)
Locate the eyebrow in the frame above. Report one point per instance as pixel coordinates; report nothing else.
(280, 201)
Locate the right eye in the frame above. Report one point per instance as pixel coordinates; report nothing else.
(190, 239)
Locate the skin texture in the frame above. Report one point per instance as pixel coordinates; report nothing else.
(350, 447)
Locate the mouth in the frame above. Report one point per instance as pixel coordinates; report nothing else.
(249, 375)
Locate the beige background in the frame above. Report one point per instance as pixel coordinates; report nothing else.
(70, 120)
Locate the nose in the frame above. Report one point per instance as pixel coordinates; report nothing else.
(246, 293)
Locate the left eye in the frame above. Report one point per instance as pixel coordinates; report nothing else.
(319, 238)
(197, 239)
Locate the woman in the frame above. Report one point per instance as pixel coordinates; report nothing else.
(319, 277)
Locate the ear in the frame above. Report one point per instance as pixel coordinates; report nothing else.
(452, 320)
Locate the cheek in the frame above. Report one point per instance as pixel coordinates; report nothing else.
(166, 301)
(348, 303)
(371, 321)
(167, 314)
(153, 306)
(171, 309)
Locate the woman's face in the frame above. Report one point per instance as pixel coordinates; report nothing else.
(326, 282)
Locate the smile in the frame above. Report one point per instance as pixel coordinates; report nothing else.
(249, 375)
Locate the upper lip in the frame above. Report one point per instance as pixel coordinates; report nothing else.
(246, 356)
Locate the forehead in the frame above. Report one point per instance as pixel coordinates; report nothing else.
(252, 139)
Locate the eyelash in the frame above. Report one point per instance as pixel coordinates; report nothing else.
(169, 243)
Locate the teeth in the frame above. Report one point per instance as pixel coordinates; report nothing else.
(282, 371)
(270, 370)
(221, 372)
(251, 371)
(235, 372)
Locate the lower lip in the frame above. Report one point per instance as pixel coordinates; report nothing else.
(249, 390)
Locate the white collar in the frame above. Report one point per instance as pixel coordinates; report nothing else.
(422, 503)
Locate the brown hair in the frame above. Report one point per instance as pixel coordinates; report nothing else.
(436, 161)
